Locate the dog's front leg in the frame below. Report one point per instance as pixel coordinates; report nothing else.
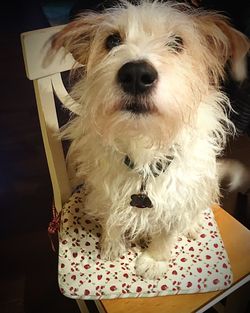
(194, 229)
(112, 243)
(152, 263)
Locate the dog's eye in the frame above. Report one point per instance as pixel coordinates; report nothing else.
(113, 40)
(175, 43)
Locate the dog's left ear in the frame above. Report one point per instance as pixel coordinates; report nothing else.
(229, 44)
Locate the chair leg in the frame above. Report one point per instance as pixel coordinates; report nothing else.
(82, 306)
(219, 307)
(238, 300)
(100, 306)
(95, 306)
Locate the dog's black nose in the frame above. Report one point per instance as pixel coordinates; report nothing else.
(137, 77)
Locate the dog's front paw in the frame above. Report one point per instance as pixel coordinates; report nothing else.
(111, 250)
(194, 231)
(149, 268)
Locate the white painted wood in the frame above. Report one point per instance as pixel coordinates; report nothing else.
(53, 146)
(100, 306)
(226, 293)
(63, 94)
(38, 61)
(82, 306)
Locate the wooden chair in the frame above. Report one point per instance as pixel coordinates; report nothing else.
(47, 81)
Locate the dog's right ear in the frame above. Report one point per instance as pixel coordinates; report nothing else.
(76, 37)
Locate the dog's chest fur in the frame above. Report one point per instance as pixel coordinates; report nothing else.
(186, 187)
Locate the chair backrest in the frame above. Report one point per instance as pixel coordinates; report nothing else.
(47, 80)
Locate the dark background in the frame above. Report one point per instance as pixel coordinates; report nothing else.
(28, 271)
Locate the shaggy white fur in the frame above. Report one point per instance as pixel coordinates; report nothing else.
(185, 121)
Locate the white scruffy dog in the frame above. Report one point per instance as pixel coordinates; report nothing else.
(152, 120)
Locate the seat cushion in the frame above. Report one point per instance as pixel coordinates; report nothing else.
(195, 266)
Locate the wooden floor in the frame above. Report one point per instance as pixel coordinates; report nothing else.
(28, 266)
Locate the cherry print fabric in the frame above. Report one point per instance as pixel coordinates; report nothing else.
(195, 266)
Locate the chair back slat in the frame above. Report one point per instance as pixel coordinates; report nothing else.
(53, 146)
(63, 95)
(38, 60)
(46, 75)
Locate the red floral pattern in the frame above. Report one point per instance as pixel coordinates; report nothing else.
(198, 265)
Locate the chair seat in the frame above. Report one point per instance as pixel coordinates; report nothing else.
(196, 266)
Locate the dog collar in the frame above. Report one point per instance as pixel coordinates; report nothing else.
(161, 165)
(141, 200)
